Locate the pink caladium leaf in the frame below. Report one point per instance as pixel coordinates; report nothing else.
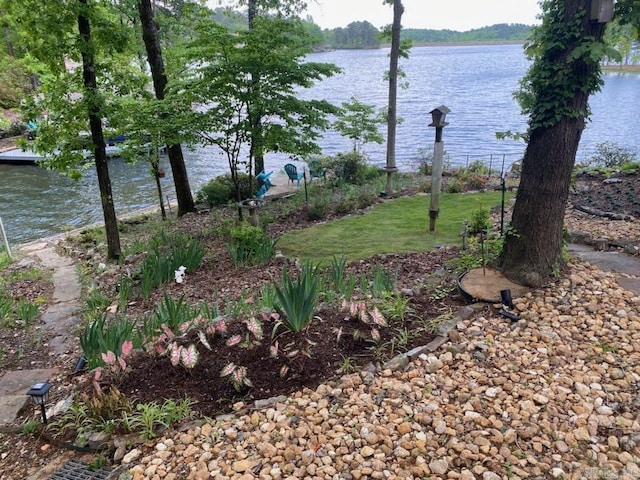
(250, 300)
(353, 309)
(255, 327)
(235, 340)
(203, 340)
(228, 369)
(109, 358)
(189, 356)
(375, 334)
(122, 363)
(273, 350)
(222, 327)
(97, 374)
(126, 348)
(284, 370)
(184, 327)
(211, 330)
(377, 317)
(160, 348)
(167, 331)
(175, 354)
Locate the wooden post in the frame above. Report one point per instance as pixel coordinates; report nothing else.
(436, 180)
(4, 237)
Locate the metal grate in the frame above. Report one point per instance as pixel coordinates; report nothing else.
(73, 470)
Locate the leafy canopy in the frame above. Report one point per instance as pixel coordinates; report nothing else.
(245, 86)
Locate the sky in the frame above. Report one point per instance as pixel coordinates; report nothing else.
(460, 15)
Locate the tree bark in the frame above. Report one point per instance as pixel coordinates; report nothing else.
(97, 136)
(532, 253)
(257, 147)
(398, 10)
(156, 63)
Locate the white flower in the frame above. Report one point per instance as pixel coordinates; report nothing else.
(179, 273)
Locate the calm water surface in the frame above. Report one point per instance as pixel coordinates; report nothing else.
(475, 82)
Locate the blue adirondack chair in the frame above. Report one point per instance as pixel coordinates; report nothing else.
(266, 183)
(292, 173)
(316, 170)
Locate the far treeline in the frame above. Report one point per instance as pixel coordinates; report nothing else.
(365, 35)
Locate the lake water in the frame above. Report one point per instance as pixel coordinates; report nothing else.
(475, 82)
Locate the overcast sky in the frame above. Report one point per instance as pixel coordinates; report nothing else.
(461, 15)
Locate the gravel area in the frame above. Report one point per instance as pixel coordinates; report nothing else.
(552, 396)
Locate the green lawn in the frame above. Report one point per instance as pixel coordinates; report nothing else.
(394, 226)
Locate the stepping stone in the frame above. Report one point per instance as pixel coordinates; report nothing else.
(13, 391)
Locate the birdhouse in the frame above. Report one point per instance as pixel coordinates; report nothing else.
(438, 116)
(601, 11)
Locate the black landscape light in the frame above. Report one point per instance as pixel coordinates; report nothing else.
(39, 393)
(506, 298)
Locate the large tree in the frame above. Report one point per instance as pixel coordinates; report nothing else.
(392, 114)
(156, 63)
(566, 50)
(79, 52)
(245, 86)
(256, 9)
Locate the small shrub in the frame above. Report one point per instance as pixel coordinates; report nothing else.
(221, 190)
(476, 181)
(480, 221)
(318, 209)
(454, 186)
(250, 245)
(345, 206)
(349, 168)
(610, 154)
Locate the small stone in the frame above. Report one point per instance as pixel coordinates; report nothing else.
(439, 467)
(617, 374)
(491, 476)
(132, 456)
(367, 451)
(581, 434)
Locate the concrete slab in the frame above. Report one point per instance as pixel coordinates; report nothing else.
(631, 284)
(19, 381)
(50, 258)
(615, 262)
(66, 287)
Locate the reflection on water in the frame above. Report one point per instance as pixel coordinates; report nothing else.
(475, 82)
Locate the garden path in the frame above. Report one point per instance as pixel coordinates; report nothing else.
(61, 315)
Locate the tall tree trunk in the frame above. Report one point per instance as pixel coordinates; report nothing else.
(97, 136)
(257, 147)
(398, 10)
(533, 246)
(156, 63)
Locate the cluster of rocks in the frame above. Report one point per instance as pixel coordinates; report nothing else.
(603, 234)
(554, 395)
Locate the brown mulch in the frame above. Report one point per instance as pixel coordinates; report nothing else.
(618, 194)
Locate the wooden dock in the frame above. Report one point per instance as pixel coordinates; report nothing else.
(18, 156)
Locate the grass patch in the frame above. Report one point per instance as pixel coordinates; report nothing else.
(395, 226)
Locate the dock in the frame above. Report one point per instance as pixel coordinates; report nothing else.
(18, 156)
